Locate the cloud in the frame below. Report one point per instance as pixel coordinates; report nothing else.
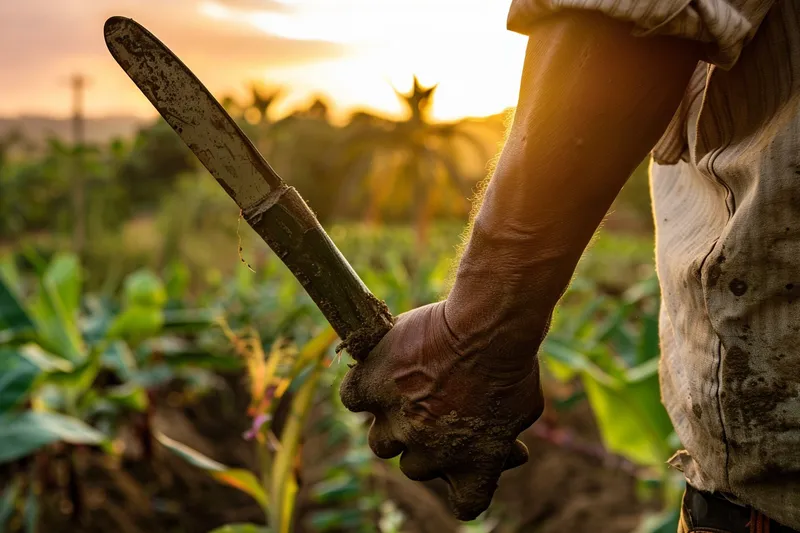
(43, 42)
(461, 44)
(257, 5)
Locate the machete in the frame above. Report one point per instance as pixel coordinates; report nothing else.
(273, 209)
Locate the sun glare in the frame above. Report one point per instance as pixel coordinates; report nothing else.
(461, 45)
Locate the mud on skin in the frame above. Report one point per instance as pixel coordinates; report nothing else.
(447, 414)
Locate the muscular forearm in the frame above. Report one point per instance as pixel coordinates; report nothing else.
(593, 101)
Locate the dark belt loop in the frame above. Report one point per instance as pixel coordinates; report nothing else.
(706, 511)
(758, 522)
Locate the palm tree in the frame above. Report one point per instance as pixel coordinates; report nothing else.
(305, 150)
(9, 189)
(35, 192)
(253, 116)
(409, 167)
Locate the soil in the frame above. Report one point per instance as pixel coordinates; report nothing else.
(564, 491)
(559, 490)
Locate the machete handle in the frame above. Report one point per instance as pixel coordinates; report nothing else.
(286, 223)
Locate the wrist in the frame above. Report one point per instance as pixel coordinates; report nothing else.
(504, 294)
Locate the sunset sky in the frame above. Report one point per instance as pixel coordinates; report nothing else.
(352, 51)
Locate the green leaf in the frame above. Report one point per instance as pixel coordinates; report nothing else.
(8, 503)
(12, 314)
(190, 455)
(577, 325)
(283, 485)
(358, 460)
(143, 288)
(241, 528)
(54, 309)
(631, 419)
(336, 519)
(177, 278)
(46, 362)
(312, 353)
(646, 370)
(188, 320)
(31, 512)
(17, 375)
(663, 522)
(564, 353)
(648, 346)
(118, 357)
(22, 434)
(558, 369)
(202, 359)
(243, 480)
(339, 488)
(238, 478)
(611, 325)
(63, 274)
(79, 379)
(100, 312)
(153, 376)
(136, 323)
(647, 288)
(9, 273)
(128, 396)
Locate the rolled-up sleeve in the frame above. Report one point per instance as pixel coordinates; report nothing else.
(723, 26)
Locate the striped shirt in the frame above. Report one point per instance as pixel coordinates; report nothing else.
(726, 192)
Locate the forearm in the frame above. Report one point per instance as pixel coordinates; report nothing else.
(593, 102)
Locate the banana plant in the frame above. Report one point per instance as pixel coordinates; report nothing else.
(283, 369)
(611, 345)
(136, 345)
(73, 367)
(25, 430)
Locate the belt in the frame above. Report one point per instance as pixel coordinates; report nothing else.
(706, 511)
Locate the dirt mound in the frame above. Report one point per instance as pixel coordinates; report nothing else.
(559, 490)
(565, 487)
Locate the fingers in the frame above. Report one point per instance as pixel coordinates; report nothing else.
(367, 385)
(471, 490)
(518, 455)
(349, 391)
(382, 441)
(473, 485)
(358, 391)
(418, 466)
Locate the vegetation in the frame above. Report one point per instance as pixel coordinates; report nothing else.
(173, 302)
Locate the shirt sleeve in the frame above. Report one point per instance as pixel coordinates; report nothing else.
(723, 26)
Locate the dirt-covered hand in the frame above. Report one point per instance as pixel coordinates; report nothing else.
(452, 413)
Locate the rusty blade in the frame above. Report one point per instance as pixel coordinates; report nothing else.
(197, 117)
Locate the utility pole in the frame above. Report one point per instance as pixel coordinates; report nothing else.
(78, 83)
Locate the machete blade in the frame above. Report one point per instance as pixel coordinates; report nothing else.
(195, 115)
(276, 212)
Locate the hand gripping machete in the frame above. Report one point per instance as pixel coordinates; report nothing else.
(273, 209)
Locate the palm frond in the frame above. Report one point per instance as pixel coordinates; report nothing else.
(454, 175)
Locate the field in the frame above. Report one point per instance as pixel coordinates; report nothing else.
(188, 382)
(161, 370)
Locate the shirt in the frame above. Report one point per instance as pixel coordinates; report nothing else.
(725, 183)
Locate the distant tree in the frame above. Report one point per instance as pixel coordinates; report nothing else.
(158, 156)
(35, 192)
(8, 141)
(261, 100)
(407, 168)
(107, 200)
(9, 189)
(305, 150)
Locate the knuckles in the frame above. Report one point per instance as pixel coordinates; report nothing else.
(446, 415)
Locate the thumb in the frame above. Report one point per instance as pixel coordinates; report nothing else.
(518, 455)
(471, 491)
